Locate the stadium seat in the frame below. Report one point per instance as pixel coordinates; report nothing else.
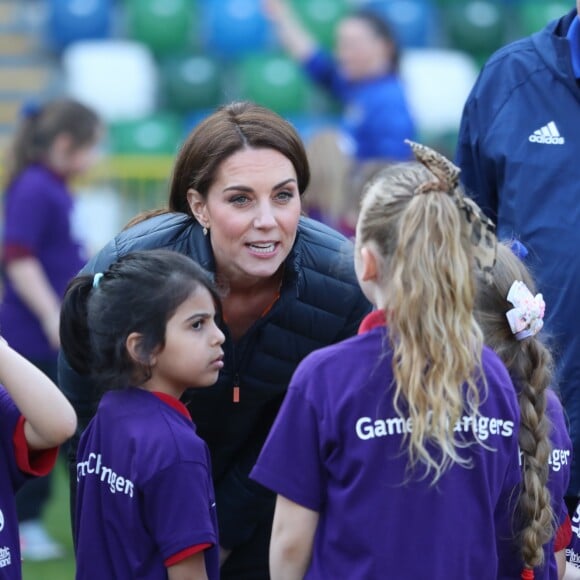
(191, 82)
(71, 20)
(535, 15)
(158, 134)
(321, 17)
(116, 77)
(308, 124)
(476, 26)
(437, 82)
(274, 81)
(413, 21)
(234, 28)
(165, 26)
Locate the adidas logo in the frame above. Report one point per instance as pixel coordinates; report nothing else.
(547, 135)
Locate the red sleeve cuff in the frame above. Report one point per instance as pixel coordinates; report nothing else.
(35, 463)
(16, 252)
(180, 556)
(563, 535)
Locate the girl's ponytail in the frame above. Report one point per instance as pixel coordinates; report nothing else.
(530, 365)
(430, 238)
(74, 330)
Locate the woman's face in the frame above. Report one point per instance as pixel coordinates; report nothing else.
(361, 53)
(252, 211)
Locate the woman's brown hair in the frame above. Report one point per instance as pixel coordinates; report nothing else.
(231, 128)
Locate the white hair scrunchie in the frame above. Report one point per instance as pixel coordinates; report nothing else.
(527, 317)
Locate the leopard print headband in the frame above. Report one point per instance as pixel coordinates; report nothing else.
(446, 179)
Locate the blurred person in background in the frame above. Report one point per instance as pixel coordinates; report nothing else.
(518, 150)
(334, 193)
(53, 143)
(362, 75)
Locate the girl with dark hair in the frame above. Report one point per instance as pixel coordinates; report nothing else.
(395, 453)
(146, 330)
(363, 77)
(288, 288)
(41, 253)
(511, 316)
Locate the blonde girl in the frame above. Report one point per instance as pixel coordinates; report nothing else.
(395, 453)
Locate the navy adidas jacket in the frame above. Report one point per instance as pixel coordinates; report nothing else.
(519, 152)
(320, 303)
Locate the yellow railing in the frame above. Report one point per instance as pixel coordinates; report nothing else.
(141, 182)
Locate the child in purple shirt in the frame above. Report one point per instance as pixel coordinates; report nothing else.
(41, 253)
(146, 329)
(35, 418)
(395, 453)
(511, 316)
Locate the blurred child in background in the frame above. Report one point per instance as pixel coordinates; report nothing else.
(41, 253)
(363, 76)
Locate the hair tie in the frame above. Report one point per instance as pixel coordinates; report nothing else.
(527, 317)
(481, 228)
(518, 249)
(96, 279)
(30, 110)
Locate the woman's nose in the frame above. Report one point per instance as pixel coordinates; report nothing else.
(264, 217)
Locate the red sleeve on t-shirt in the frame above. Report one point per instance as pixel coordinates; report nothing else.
(34, 462)
(180, 556)
(563, 535)
(16, 252)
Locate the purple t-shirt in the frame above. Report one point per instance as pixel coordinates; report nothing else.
(573, 550)
(337, 448)
(558, 479)
(37, 219)
(15, 470)
(144, 490)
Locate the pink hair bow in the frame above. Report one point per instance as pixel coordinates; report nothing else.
(527, 317)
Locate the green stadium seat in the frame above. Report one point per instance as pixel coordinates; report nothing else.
(158, 134)
(476, 26)
(191, 82)
(274, 81)
(164, 25)
(321, 17)
(535, 14)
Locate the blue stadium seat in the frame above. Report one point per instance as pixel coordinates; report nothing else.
(413, 21)
(308, 124)
(234, 28)
(72, 20)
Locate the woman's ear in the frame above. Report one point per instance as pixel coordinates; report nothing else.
(134, 348)
(198, 207)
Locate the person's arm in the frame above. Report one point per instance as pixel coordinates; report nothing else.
(291, 32)
(32, 286)
(49, 418)
(477, 169)
(292, 539)
(192, 568)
